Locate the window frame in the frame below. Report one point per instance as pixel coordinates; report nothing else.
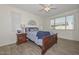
(65, 23)
(54, 24)
(73, 22)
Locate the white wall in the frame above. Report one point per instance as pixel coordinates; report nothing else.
(68, 34)
(7, 36)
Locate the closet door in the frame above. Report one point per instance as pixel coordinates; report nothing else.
(16, 21)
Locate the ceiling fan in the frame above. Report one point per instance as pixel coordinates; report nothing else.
(47, 7)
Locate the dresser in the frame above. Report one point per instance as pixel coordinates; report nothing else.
(21, 38)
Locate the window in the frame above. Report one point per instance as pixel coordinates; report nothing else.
(52, 23)
(70, 22)
(65, 23)
(60, 23)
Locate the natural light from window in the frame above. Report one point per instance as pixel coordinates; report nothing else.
(60, 23)
(70, 22)
(65, 23)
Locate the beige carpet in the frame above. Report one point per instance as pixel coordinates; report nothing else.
(63, 47)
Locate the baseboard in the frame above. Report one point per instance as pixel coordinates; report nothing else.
(68, 39)
(8, 43)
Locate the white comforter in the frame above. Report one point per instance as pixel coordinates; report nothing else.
(32, 36)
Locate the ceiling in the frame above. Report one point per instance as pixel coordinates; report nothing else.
(35, 8)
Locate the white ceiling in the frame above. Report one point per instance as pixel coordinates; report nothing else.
(35, 8)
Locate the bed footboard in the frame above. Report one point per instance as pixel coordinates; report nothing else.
(48, 42)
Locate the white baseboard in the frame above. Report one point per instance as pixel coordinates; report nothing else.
(68, 39)
(8, 43)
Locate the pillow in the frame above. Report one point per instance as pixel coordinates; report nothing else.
(33, 29)
(28, 29)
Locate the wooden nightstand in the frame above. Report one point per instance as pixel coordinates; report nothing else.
(21, 38)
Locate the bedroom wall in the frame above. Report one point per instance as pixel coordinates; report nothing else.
(69, 34)
(7, 36)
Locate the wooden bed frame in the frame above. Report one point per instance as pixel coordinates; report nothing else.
(48, 42)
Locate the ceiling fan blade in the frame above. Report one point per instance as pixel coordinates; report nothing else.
(53, 8)
(41, 10)
(43, 5)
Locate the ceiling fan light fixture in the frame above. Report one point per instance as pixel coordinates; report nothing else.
(47, 9)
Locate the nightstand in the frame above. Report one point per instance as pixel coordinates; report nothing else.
(21, 38)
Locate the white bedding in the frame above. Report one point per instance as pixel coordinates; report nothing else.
(32, 36)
